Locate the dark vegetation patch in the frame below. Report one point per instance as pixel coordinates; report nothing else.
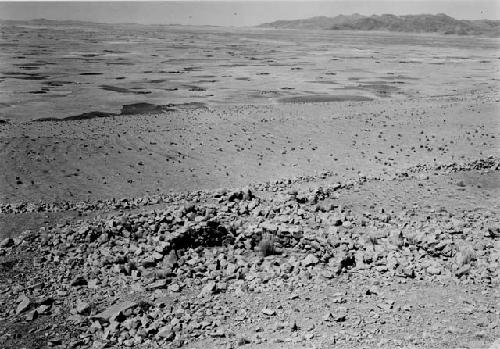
(324, 98)
(379, 89)
(24, 76)
(232, 65)
(124, 90)
(119, 63)
(28, 67)
(197, 89)
(399, 77)
(90, 115)
(128, 109)
(326, 82)
(142, 108)
(156, 81)
(57, 83)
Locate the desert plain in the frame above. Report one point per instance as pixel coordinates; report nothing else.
(176, 186)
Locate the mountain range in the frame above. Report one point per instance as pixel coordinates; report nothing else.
(425, 23)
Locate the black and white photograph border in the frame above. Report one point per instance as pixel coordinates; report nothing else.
(256, 174)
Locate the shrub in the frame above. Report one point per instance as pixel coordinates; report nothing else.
(266, 245)
(372, 239)
(465, 256)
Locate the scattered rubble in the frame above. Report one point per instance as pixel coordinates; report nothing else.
(150, 278)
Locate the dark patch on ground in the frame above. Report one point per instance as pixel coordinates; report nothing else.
(141, 108)
(123, 90)
(128, 109)
(24, 76)
(324, 98)
(328, 82)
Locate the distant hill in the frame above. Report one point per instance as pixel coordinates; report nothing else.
(320, 22)
(439, 23)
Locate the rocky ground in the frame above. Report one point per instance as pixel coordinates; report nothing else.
(305, 263)
(350, 224)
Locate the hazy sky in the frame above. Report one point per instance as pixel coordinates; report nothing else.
(239, 13)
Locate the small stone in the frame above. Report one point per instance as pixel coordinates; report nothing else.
(113, 327)
(7, 242)
(340, 315)
(221, 286)
(114, 310)
(433, 270)
(166, 333)
(231, 269)
(157, 256)
(309, 335)
(79, 281)
(327, 274)
(268, 312)
(32, 315)
(338, 299)
(157, 284)
(24, 305)
(82, 308)
(408, 271)
(493, 232)
(42, 309)
(56, 342)
(464, 270)
(310, 260)
(174, 288)
(243, 341)
(218, 334)
(346, 224)
(310, 327)
(209, 289)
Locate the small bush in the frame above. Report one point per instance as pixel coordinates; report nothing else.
(372, 239)
(266, 245)
(465, 256)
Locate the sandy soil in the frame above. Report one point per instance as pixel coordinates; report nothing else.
(230, 147)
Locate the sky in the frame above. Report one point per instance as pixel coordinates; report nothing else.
(237, 13)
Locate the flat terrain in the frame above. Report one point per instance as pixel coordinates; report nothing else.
(234, 146)
(254, 188)
(59, 69)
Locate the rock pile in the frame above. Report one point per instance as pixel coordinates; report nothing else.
(144, 279)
